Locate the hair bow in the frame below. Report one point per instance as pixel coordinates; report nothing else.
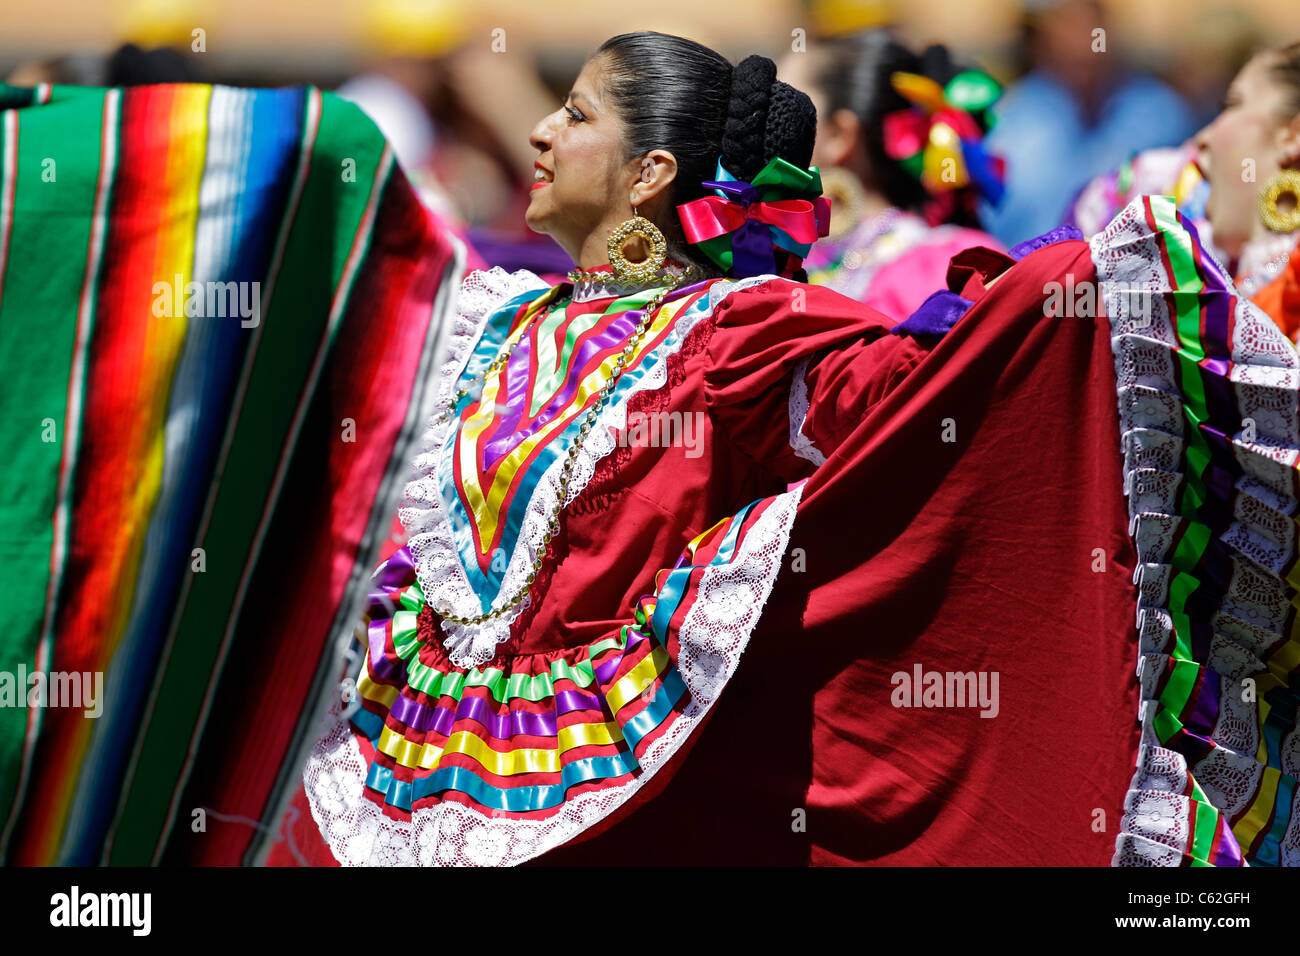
(740, 227)
(938, 140)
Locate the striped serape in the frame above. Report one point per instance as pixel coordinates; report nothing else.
(218, 317)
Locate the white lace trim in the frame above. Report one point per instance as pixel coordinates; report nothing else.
(801, 443)
(712, 638)
(437, 561)
(1265, 376)
(1263, 260)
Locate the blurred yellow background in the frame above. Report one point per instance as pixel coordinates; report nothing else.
(286, 36)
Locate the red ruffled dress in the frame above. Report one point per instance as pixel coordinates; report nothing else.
(924, 654)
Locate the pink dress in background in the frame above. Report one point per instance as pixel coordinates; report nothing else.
(892, 261)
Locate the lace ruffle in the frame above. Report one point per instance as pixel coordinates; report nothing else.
(799, 442)
(423, 511)
(1207, 396)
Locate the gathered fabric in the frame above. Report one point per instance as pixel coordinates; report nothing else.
(957, 573)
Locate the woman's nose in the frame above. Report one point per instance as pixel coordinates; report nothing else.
(540, 138)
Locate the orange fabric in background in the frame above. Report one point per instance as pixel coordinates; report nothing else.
(1281, 297)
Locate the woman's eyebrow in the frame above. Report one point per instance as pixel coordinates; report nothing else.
(575, 94)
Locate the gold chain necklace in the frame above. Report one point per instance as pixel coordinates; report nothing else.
(600, 275)
(553, 523)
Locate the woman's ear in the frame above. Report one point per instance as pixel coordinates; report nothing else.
(1289, 144)
(838, 137)
(652, 174)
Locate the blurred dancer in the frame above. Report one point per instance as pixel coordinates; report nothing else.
(1162, 171)
(404, 41)
(128, 65)
(1237, 180)
(1250, 154)
(902, 164)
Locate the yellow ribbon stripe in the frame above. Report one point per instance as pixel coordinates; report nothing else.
(427, 756)
(485, 507)
(1261, 811)
(638, 679)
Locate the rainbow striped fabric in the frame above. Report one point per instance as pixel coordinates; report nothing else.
(218, 315)
(1211, 440)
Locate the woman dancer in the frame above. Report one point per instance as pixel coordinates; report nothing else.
(1256, 217)
(938, 649)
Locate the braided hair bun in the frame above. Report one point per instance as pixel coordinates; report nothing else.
(765, 118)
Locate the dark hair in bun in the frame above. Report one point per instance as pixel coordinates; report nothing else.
(855, 75)
(675, 94)
(765, 118)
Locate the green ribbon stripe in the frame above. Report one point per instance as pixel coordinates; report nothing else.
(1196, 536)
(532, 687)
(1204, 825)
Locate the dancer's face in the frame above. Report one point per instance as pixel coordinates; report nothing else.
(1242, 148)
(585, 188)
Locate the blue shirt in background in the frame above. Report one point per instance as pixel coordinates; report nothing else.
(1050, 152)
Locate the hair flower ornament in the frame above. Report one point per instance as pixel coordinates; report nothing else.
(741, 227)
(939, 138)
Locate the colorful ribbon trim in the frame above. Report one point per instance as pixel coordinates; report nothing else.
(523, 740)
(528, 414)
(1186, 691)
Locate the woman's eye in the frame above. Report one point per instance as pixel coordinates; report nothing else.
(574, 114)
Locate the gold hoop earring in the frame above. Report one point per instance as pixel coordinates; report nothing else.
(1285, 183)
(624, 269)
(847, 197)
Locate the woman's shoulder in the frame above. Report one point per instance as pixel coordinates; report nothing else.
(786, 305)
(763, 329)
(900, 285)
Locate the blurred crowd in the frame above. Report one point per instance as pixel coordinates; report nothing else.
(1080, 96)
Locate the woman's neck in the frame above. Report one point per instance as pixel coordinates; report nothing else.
(1262, 258)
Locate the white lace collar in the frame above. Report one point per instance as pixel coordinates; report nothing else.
(603, 285)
